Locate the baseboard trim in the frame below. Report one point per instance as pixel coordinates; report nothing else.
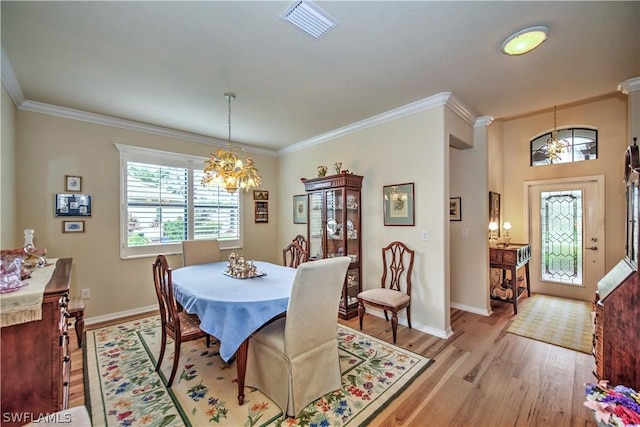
(402, 320)
(471, 309)
(120, 314)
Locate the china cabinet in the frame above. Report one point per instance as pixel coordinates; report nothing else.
(334, 229)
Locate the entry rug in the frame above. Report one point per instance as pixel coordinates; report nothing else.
(559, 321)
(123, 389)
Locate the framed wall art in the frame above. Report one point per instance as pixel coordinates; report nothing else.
(73, 226)
(73, 205)
(494, 209)
(300, 209)
(455, 209)
(398, 204)
(72, 183)
(262, 211)
(260, 195)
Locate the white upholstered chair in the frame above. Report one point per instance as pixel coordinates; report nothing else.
(294, 360)
(200, 251)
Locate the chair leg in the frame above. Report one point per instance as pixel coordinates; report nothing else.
(409, 316)
(162, 347)
(79, 327)
(208, 340)
(176, 359)
(394, 324)
(361, 310)
(385, 316)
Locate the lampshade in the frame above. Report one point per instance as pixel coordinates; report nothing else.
(226, 169)
(506, 225)
(493, 226)
(525, 40)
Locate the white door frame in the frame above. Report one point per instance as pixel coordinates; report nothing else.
(599, 212)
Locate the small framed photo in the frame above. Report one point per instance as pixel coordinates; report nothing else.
(455, 205)
(260, 195)
(73, 226)
(398, 204)
(300, 209)
(72, 183)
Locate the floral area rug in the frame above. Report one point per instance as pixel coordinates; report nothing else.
(123, 389)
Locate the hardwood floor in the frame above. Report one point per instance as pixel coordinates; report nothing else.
(482, 376)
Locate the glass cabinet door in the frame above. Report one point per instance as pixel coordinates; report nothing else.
(352, 229)
(315, 205)
(334, 226)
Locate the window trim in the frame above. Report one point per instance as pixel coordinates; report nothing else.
(130, 153)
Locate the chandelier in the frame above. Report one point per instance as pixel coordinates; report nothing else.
(555, 146)
(225, 168)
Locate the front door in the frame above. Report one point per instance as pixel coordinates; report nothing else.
(566, 232)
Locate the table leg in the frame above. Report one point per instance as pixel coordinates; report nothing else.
(526, 275)
(514, 287)
(241, 360)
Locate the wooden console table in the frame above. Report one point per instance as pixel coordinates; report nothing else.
(512, 258)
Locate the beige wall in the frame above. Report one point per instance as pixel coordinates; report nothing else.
(10, 238)
(410, 149)
(48, 148)
(609, 115)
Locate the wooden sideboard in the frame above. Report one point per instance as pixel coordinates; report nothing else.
(512, 258)
(36, 362)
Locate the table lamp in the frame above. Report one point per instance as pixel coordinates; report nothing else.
(493, 239)
(507, 233)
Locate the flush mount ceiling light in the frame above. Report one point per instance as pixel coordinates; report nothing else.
(525, 40)
(308, 17)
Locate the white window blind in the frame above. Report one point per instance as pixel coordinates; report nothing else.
(163, 202)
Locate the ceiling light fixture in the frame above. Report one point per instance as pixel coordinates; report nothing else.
(525, 40)
(226, 169)
(555, 146)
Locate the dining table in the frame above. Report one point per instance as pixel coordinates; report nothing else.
(231, 309)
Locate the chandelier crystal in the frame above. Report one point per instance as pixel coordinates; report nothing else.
(225, 168)
(555, 146)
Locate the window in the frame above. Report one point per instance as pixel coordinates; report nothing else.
(163, 202)
(582, 145)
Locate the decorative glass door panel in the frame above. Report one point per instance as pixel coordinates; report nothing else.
(316, 224)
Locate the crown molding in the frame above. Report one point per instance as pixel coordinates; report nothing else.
(630, 85)
(444, 98)
(70, 113)
(483, 121)
(10, 81)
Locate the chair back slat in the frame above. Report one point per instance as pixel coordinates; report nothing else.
(397, 267)
(302, 241)
(164, 292)
(294, 255)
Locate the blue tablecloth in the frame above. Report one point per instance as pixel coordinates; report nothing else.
(232, 309)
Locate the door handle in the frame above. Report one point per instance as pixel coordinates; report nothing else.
(593, 248)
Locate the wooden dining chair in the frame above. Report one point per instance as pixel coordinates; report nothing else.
(395, 291)
(294, 255)
(177, 324)
(302, 241)
(294, 360)
(200, 251)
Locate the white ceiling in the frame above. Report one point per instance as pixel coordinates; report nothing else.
(169, 63)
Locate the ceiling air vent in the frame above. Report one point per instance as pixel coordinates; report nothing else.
(308, 17)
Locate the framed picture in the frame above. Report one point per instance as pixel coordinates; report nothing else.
(494, 209)
(73, 205)
(262, 211)
(72, 183)
(300, 209)
(399, 207)
(73, 226)
(455, 206)
(260, 195)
